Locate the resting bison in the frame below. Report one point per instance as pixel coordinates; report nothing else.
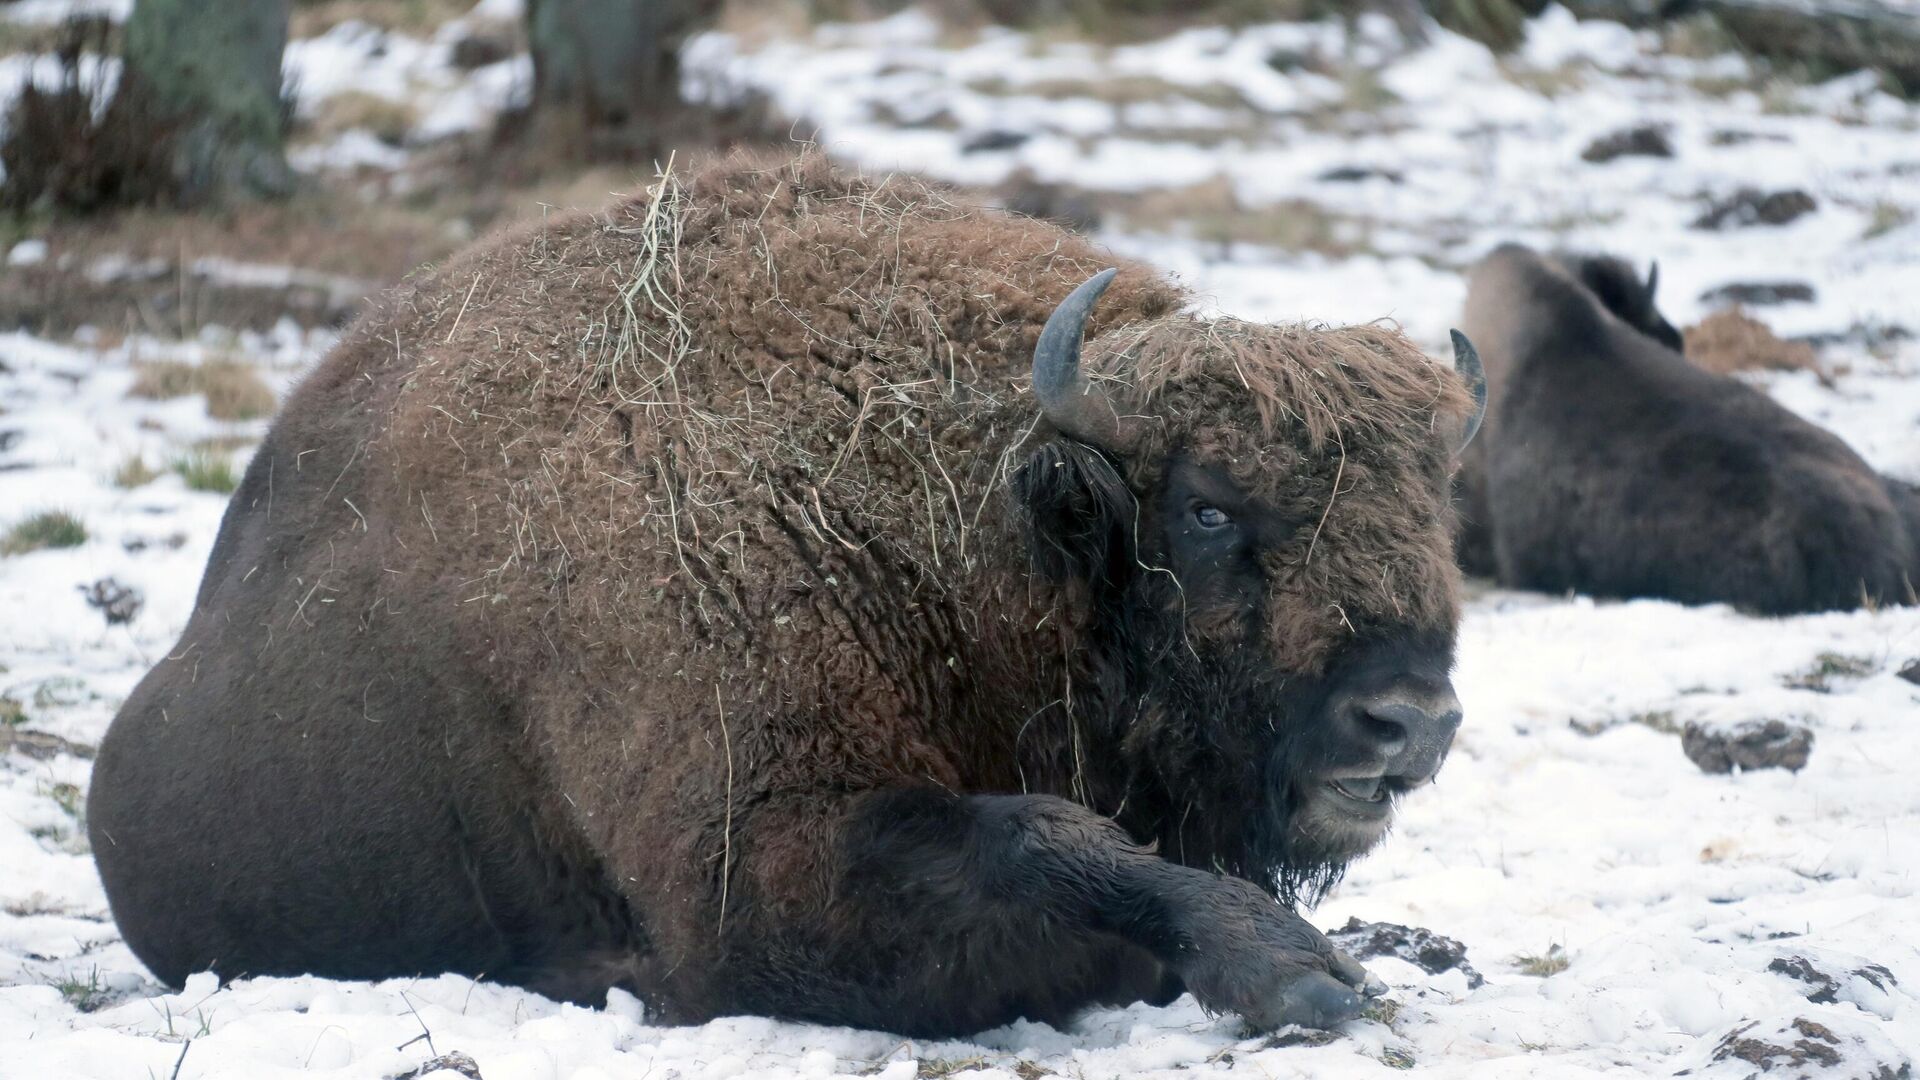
(1612, 466)
(691, 598)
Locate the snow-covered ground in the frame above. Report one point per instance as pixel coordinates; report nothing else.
(1568, 832)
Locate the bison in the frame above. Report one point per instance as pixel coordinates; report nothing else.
(695, 597)
(1612, 466)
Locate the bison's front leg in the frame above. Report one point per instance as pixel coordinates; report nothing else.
(957, 912)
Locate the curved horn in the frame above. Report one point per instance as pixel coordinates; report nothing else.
(1653, 277)
(1466, 361)
(1067, 400)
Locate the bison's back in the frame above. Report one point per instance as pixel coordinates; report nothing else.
(1623, 471)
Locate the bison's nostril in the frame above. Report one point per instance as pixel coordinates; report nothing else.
(1387, 726)
(1410, 737)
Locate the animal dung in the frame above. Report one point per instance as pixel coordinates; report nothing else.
(1747, 745)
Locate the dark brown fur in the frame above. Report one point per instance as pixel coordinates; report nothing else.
(1611, 466)
(649, 598)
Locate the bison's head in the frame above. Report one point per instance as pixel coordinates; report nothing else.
(1259, 519)
(1621, 291)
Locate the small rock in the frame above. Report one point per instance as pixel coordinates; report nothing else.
(1751, 206)
(119, 603)
(480, 48)
(1353, 174)
(40, 745)
(1911, 672)
(988, 141)
(1759, 293)
(1426, 950)
(1647, 140)
(1750, 744)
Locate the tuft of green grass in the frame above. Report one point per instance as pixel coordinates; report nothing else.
(1544, 965)
(1828, 666)
(85, 995)
(1884, 218)
(12, 713)
(134, 472)
(47, 529)
(69, 797)
(206, 471)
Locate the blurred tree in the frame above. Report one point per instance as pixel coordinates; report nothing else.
(606, 73)
(208, 72)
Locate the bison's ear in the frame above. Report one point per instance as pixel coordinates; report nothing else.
(1080, 514)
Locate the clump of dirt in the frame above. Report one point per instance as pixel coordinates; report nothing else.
(1822, 988)
(1747, 745)
(1759, 293)
(1731, 340)
(1805, 1049)
(1430, 952)
(1752, 206)
(1647, 140)
(118, 602)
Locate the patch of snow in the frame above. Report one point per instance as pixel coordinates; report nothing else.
(27, 253)
(55, 12)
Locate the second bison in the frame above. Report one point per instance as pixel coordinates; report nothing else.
(1612, 466)
(698, 598)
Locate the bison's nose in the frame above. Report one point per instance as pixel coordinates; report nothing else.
(1408, 732)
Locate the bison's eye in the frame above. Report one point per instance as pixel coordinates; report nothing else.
(1211, 517)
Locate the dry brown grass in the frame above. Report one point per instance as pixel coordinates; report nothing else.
(1731, 340)
(415, 17)
(134, 472)
(1118, 90)
(1211, 212)
(234, 391)
(388, 120)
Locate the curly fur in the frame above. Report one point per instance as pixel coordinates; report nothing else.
(614, 562)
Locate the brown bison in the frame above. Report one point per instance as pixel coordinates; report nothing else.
(1612, 466)
(690, 598)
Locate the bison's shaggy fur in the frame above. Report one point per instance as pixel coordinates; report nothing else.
(658, 597)
(1611, 465)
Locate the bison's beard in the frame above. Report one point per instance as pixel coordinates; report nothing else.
(1226, 765)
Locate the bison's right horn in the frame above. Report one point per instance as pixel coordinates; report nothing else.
(1068, 400)
(1466, 361)
(1653, 277)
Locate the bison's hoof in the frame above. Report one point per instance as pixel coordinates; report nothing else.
(1317, 1000)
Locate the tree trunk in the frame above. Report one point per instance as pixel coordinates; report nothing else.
(207, 74)
(607, 72)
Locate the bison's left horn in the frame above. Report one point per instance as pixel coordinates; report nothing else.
(1466, 361)
(1068, 400)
